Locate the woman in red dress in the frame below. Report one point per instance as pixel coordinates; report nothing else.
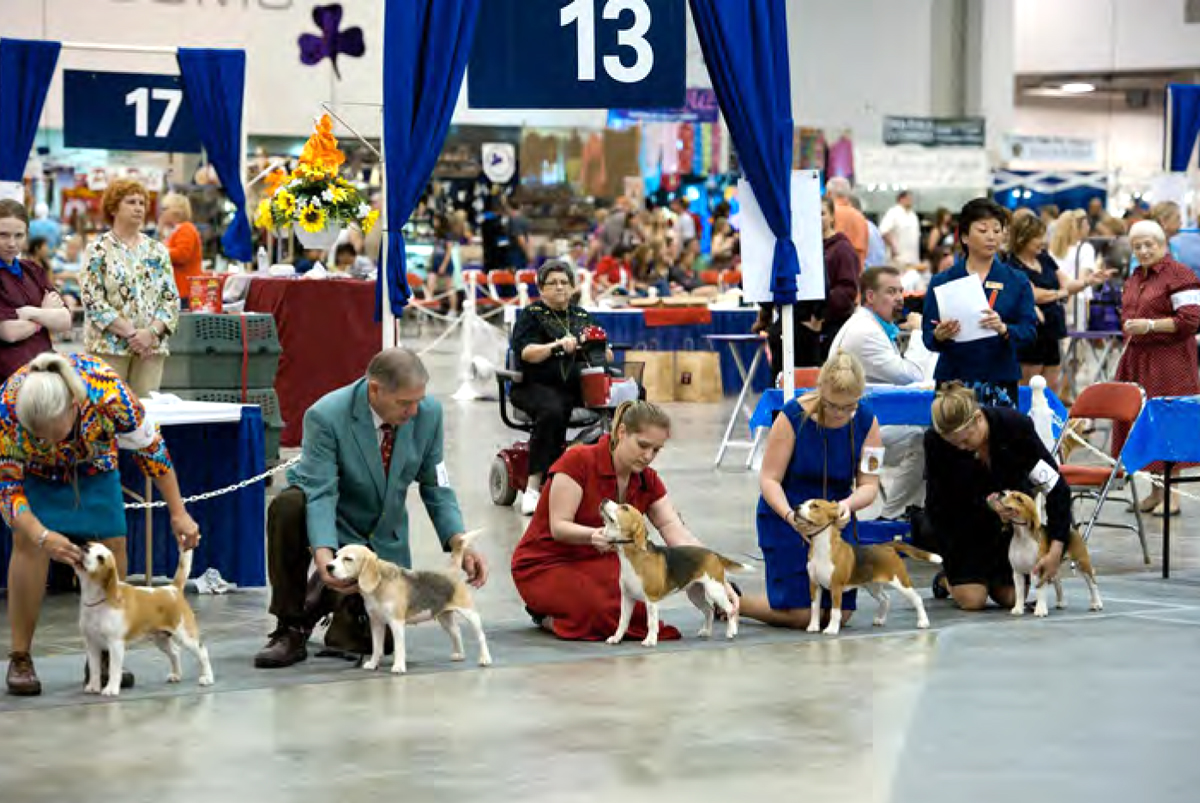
(1160, 313)
(565, 569)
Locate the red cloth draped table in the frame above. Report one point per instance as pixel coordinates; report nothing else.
(328, 333)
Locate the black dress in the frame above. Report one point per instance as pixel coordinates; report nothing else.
(971, 538)
(1044, 350)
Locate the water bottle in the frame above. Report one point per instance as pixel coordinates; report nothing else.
(264, 261)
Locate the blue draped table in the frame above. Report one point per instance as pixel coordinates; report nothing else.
(207, 456)
(1165, 431)
(628, 327)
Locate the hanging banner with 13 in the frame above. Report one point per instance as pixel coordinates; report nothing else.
(127, 112)
(579, 54)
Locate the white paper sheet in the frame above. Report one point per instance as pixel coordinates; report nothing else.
(963, 300)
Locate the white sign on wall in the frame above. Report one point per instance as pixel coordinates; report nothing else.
(758, 243)
(1043, 148)
(917, 168)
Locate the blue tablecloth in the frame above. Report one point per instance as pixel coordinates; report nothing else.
(1166, 430)
(628, 327)
(206, 457)
(893, 405)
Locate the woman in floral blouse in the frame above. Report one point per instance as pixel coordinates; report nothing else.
(129, 293)
(60, 419)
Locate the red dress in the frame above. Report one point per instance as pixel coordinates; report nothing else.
(1163, 364)
(576, 586)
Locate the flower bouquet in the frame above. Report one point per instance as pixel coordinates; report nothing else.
(313, 198)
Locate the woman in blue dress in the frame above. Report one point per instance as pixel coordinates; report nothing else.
(824, 445)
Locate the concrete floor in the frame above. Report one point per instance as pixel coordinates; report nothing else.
(1083, 706)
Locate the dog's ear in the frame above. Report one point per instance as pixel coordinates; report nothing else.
(368, 573)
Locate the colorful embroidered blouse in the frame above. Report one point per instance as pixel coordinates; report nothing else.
(111, 410)
(137, 284)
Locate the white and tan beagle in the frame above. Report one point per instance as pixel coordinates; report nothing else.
(839, 567)
(1030, 543)
(395, 596)
(112, 614)
(651, 573)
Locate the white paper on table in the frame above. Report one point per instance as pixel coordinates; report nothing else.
(963, 300)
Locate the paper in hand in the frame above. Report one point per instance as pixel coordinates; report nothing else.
(963, 300)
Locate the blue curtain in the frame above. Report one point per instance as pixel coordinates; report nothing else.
(746, 48)
(214, 84)
(1182, 125)
(426, 44)
(26, 68)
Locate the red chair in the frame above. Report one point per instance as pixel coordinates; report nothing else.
(1107, 401)
(528, 277)
(803, 378)
(711, 277)
(730, 278)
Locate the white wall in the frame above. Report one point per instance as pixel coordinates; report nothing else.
(1103, 35)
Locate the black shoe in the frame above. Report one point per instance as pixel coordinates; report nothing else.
(127, 678)
(285, 647)
(939, 586)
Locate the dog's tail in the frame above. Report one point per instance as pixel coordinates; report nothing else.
(184, 570)
(913, 552)
(464, 543)
(734, 566)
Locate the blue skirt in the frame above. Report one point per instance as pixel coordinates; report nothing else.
(786, 556)
(90, 509)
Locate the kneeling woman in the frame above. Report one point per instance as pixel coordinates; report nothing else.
(971, 453)
(565, 569)
(815, 451)
(60, 417)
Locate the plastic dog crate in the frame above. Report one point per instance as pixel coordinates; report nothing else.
(208, 351)
(266, 398)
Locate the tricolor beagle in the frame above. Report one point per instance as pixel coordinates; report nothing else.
(1029, 543)
(837, 566)
(113, 613)
(650, 573)
(395, 596)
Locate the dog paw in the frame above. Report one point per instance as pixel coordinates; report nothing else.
(1019, 610)
(704, 632)
(923, 624)
(879, 621)
(1096, 606)
(815, 627)
(1041, 611)
(650, 641)
(1062, 606)
(612, 640)
(91, 688)
(485, 660)
(173, 678)
(400, 669)
(370, 665)
(832, 631)
(206, 680)
(456, 656)
(110, 691)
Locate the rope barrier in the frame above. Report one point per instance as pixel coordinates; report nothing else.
(1154, 479)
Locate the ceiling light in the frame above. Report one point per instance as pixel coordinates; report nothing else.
(1078, 88)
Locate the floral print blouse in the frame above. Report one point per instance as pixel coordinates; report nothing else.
(111, 410)
(137, 284)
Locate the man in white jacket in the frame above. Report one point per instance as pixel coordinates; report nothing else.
(871, 335)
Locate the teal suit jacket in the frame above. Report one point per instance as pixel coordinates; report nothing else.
(350, 501)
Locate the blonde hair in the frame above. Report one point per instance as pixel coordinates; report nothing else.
(1066, 232)
(954, 407)
(637, 416)
(174, 202)
(841, 373)
(50, 388)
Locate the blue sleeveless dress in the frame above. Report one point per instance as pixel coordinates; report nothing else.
(823, 466)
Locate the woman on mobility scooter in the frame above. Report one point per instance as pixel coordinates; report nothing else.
(547, 341)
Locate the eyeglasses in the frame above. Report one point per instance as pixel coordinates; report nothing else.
(563, 283)
(840, 409)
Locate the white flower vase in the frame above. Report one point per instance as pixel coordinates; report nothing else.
(322, 240)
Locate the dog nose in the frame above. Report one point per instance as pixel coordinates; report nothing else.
(329, 568)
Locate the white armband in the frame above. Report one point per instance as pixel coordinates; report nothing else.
(872, 460)
(1185, 298)
(140, 438)
(1043, 477)
(443, 476)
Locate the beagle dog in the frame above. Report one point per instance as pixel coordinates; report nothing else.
(1029, 543)
(395, 596)
(650, 573)
(838, 566)
(113, 613)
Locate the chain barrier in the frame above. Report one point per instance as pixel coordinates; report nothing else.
(212, 494)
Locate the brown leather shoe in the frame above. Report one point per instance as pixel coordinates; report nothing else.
(285, 647)
(22, 677)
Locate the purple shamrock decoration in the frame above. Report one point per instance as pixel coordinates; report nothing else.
(332, 41)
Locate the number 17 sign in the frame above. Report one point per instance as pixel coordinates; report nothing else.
(579, 54)
(127, 112)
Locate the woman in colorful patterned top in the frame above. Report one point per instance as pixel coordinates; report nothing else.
(60, 420)
(129, 293)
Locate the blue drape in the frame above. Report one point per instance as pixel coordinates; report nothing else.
(1182, 125)
(214, 84)
(26, 68)
(426, 44)
(746, 48)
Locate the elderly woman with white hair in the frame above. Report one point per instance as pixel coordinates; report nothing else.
(1160, 314)
(60, 421)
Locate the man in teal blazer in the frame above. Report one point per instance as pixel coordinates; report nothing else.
(340, 493)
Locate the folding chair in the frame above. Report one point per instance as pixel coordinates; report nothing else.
(729, 279)
(711, 277)
(422, 301)
(1115, 402)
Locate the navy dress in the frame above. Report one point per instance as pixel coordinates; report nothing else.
(824, 465)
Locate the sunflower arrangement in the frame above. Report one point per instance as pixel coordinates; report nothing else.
(313, 195)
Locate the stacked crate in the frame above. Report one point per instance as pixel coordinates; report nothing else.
(228, 358)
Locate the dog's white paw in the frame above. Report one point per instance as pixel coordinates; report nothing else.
(399, 669)
(1018, 610)
(173, 678)
(650, 641)
(110, 691)
(456, 656)
(704, 632)
(485, 660)
(612, 640)
(370, 665)
(879, 621)
(814, 627)
(1061, 605)
(832, 630)
(206, 680)
(1041, 611)
(923, 624)
(92, 687)
(1096, 606)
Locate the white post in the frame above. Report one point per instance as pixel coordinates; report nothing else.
(789, 351)
(389, 320)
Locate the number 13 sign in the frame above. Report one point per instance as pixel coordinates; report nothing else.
(579, 54)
